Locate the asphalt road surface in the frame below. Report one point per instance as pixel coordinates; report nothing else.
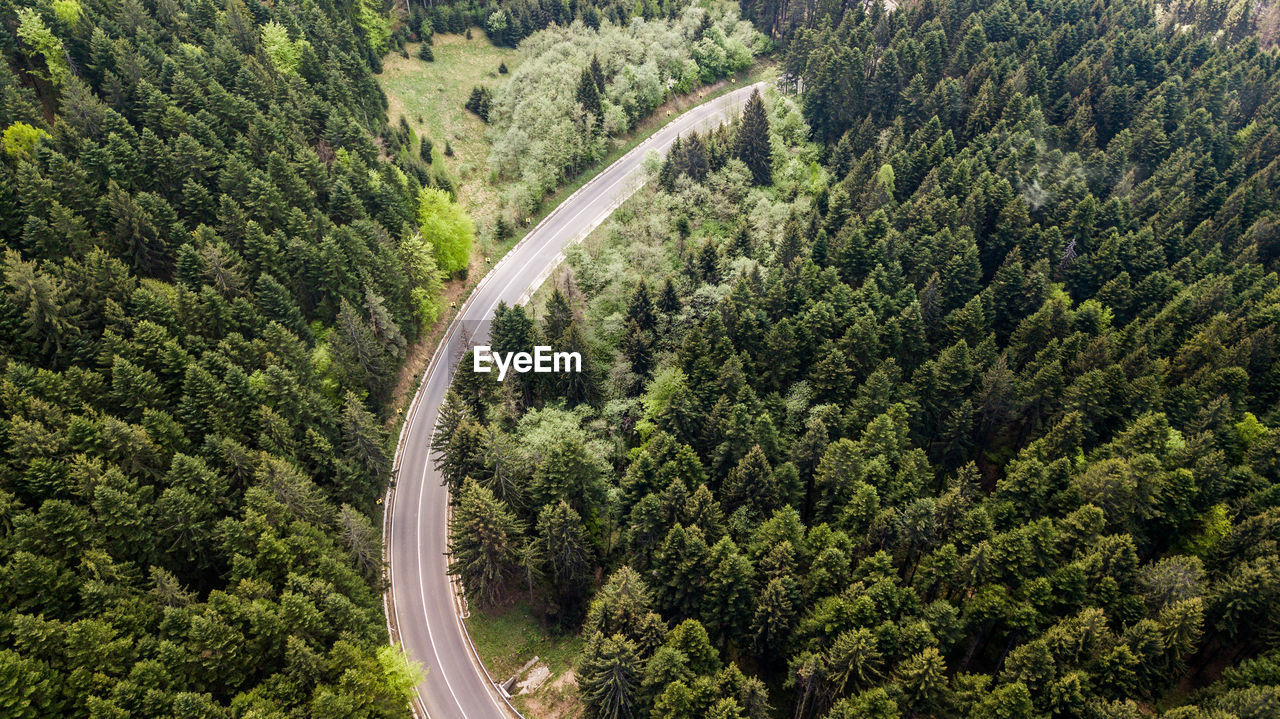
(422, 605)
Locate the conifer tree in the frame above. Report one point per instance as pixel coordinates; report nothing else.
(486, 537)
(588, 96)
(752, 145)
(565, 553)
(597, 72)
(556, 318)
(640, 309)
(609, 675)
(668, 301)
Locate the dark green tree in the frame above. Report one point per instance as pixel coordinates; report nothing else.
(752, 144)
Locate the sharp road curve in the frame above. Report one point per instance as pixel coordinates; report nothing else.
(421, 602)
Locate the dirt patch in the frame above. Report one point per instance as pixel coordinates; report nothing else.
(557, 699)
(568, 680)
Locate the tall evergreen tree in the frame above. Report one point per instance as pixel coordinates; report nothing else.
(752, 144)
(608, 677)
(588, 96)
(486, 536)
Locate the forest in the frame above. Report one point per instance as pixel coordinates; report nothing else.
(943, 383)
(211, 271)
(943, 387)
(508, 22)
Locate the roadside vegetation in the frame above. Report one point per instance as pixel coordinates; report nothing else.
(459, 106)
(578, 89)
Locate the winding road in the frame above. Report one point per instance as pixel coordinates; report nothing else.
(423, 606)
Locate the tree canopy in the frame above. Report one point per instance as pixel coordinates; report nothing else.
(969, 410)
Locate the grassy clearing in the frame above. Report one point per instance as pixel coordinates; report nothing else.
(510, 636)
(506, 638)
(430, 95)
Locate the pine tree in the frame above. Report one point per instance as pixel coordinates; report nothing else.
(668, 301)
(362, 540)
(682, 562)
(278, 305)
(360, 356)
(565, 554)
(729, 603)
(752, 146)
(366, 445)
(588, 96)
(597, 72)
(608, 677)
(624, 606)
(854, 662)
(693, 160)
(484, 543)
(47, 307)
(752, 484)
(461, 457)
(640, 309)
(637, 348)
(774, 618)
(556, 318)
(579, 387)
(479, 101)
(513, 329)
(568, 473)
(690, 639)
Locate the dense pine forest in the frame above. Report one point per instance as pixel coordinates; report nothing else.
(946, 387)
(507, 22)
(210, 274)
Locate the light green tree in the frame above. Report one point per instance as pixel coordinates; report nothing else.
(285, 54)
(20, 139)
(444, 224)
(37, 36)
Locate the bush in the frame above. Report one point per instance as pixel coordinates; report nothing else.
(425, 53)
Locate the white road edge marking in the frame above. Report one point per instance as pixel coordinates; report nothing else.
(422, 589)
